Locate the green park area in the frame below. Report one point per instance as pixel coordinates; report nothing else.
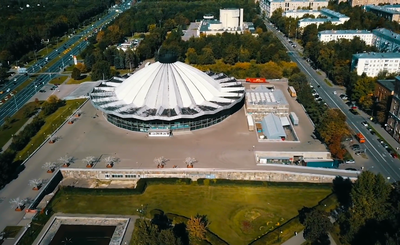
(237, 214)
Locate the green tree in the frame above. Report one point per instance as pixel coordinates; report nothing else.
(101, 70)
(76, 73)
(231, 55)
(147, 233)
(370, 201)
(317, 225)
(363, 90)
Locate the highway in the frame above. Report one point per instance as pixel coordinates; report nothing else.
(65, 54)
(379, 160)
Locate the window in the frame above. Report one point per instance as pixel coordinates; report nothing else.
(117, 176)
(130, 176)
(107, 176)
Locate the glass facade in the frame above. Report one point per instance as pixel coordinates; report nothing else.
(176, 125)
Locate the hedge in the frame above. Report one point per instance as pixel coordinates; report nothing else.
(250, 183)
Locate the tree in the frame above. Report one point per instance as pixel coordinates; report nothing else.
(35, 183)
(147, 233)
(317, 225)
(49, 166)
(369, 202)
(76, 73)
(101, 70)
(90, 160)
(190, 161)
(66, 160)
(197, 228)
(17, 203)
(363, 90)
(160, 161)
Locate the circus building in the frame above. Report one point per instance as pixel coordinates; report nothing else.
(166, 97)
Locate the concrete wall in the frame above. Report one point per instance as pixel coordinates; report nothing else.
(194, 174)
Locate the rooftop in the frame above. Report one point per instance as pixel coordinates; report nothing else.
(390, 9)
(345, 32)
(261, 95)
(373, 55)
(386, 34)
(388, 84)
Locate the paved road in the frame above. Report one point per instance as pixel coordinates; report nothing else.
(65, 53)
(379, 159)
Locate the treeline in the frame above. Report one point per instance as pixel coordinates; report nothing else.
(22, 28)
(164, 35)
(330, 124)
(8, 162)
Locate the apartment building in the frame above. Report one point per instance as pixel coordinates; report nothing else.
(390, 12)
(373, 63)
(386, 40)
(354, 3)
(331, 16)
(393, 122)
(336, 35)
(269, 6)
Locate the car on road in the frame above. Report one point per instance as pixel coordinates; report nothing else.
(364, 123)
(394, 155)
(350, 161)
(353, 111)
(334, 92)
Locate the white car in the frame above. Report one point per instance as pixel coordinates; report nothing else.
(334, 92)
(350, 161)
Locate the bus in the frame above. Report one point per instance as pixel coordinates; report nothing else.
(292, 92)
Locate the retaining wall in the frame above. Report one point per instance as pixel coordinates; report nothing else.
(194, 174)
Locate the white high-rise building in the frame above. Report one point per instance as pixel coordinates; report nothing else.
(230, 20)
(373, 63)
(336, 35)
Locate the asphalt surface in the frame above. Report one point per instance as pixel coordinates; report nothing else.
(379, 160)
(65, 54)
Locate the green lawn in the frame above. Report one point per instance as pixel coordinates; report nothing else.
(237, 214)
(18, 120)
(52, 122)
(12, 231)
(58, 80)
(85, 78)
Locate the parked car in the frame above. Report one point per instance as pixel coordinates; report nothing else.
(42, 91)
(351, 169)
(350, 161)
(364, 123)
(394, 155)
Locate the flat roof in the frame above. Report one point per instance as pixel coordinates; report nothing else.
(272, 127)
(373, 55)
(390, 9)
(388, 84)
(345, 32)
(261, 95)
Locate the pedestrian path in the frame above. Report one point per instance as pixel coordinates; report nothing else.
(5, 147)
(299, 239)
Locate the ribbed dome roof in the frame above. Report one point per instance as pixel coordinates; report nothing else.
(167, 91)
(168, 86)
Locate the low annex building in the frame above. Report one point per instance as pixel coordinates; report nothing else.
(168, 95)
(331, 16)
(261, 101)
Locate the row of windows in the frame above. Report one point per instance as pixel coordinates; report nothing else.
(118, 176)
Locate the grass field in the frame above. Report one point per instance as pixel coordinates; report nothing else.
(18, 120)
(85, 78)
(12, 231)
(237, 214)
(52, 122)
(58, 80)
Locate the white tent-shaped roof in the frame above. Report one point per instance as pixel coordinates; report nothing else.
(168, 91)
